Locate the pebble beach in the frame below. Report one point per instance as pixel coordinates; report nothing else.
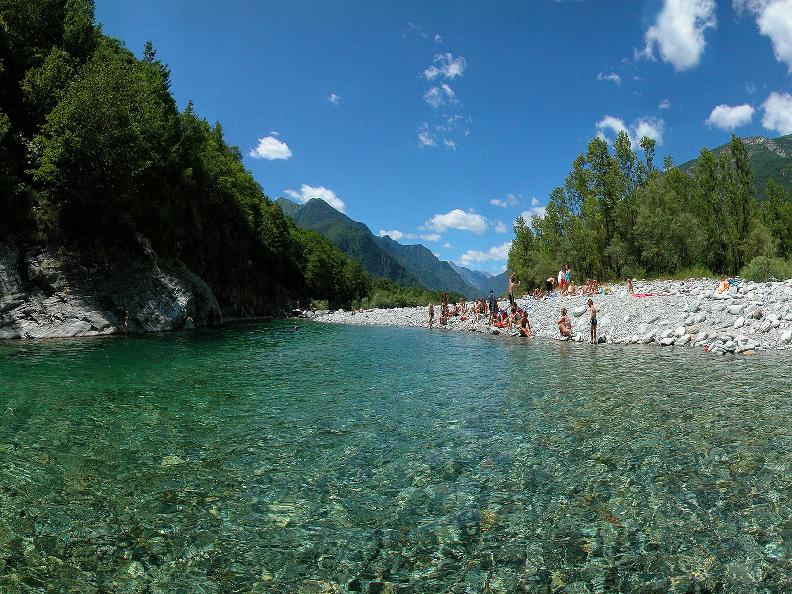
(750, 317)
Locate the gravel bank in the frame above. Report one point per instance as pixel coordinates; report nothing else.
(749, 318)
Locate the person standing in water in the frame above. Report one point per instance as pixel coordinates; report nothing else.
(493, 307)
(512, 284)
(431, 315)
(593, 318)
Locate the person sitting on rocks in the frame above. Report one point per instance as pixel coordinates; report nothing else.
(723, 285)
(538, 293)
(565, 324)
(525, 325)
(571, 289)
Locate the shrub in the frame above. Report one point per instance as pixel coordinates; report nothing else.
(763, 268)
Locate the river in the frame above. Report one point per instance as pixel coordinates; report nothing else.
(340, 458)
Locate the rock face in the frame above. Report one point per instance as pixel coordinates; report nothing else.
(47, 296)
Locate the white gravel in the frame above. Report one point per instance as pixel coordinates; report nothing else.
(749, 318)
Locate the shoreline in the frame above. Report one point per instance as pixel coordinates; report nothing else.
(750, 318)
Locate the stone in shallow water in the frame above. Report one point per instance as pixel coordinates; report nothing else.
(171, 460)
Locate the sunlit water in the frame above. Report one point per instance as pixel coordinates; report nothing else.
(334, 459)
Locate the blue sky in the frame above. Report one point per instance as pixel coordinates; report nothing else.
(441, 122)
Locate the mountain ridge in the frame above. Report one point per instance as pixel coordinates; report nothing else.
(406, 264)
(769, 158)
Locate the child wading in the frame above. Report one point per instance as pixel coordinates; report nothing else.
(593, 318)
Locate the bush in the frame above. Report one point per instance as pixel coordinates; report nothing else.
(763, 268)
(693, 272)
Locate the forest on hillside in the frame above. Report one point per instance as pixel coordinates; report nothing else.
(617, 216)
(97, 159)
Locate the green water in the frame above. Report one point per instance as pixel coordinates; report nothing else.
(334, 459)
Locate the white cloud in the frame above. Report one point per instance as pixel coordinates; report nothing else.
(440, 95)
(270, 148)
(509, 200)
(394, 234)
(447, 245)
(678, 32)
(774, 20)
(457, 219)
(664, 104)
(534, 201)
(425, 137)
(438, 38)
(647, 126)
(307, 193)
(729, 117)
(446, 66)
(500, 227)
(612, 77)
(450, 143)
(750, 88)
(497, 253)
(334, 99)
(778, 113)
(651, 127)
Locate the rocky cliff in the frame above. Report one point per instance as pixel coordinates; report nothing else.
(49, 295)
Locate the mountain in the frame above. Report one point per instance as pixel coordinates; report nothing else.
(382, 256)
(351, 237)
(483, 281)
(428, 269)
(768, 158)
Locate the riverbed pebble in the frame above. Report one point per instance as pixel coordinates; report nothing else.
(689, 313)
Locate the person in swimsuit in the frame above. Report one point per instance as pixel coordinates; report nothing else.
(593, 318)
(525, 325)
(564, 324)
(561, 281)
(512, 284)
(431, 315)
(630, 288)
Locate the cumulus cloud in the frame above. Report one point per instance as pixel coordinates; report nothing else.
(678, 32)
(457, 219)
(774, 20)
(536, 210)
(664, 104)
(500, 227)
(778, 113)
(496, 253)
(446, 66)
(307, 193)
(334, 99)
(729, 117)
(425, 137)
(270, 148)
(440, 95)
(396, 235)
(647, 126)
(509, 200)
(447, 245)
(611, 77)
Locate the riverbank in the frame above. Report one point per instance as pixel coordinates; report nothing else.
(749, 318)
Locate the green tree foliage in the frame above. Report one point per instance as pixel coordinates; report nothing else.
(95, 156)
(776, 214)
(618, 216)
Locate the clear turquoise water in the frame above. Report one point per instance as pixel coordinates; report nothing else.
(334, 459)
